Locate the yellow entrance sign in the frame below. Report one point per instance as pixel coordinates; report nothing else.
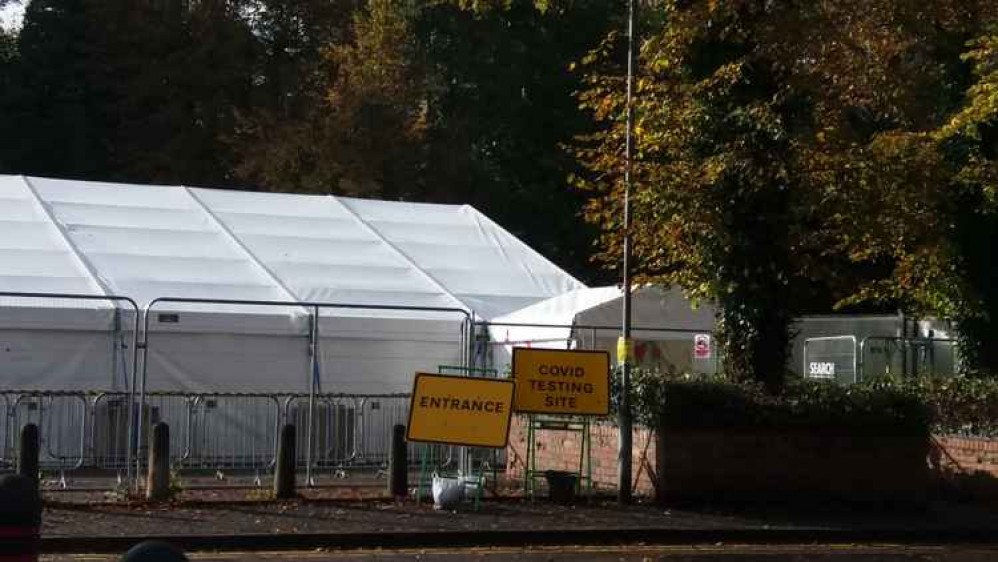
(553, 381)
(460, 410)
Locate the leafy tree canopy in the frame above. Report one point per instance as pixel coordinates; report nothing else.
(792, 156)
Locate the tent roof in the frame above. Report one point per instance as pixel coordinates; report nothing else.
(144, 241)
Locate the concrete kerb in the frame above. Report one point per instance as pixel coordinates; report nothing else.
(528, 538)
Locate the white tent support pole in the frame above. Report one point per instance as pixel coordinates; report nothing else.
(242, 247)
(398, 251)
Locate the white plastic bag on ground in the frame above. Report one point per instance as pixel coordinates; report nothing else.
(447, 492)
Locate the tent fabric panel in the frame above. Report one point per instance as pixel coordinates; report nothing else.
(484, 266)
(430, 330)
(654, 307)
(319, 251)
(128, 234)
(50, 314)
(35, 256)
(183, 318)
(378, 367)
(226, 362)
(59, 360)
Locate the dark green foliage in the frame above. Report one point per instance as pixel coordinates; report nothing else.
(960, 406)
(883, 407)
(443, 101)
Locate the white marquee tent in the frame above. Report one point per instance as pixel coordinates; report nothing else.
(147, 242)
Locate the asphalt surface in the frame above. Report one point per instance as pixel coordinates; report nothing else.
(738, 553)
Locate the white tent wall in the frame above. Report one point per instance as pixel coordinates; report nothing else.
(60, 360)
(379, 356)
(214, 362)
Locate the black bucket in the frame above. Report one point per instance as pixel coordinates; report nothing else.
(561, 485)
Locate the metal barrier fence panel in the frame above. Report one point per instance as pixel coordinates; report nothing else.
(331, 431)
(62, 427)
(831, 358)
(6, 447)
(895, 356)
(65, 420)
(175, 409)
(334, 429)
(233, 431)
(378, 416)
(109, 431)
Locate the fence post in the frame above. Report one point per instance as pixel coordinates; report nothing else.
(20, 518)
(284, 474)
(158, 483)
(27, 459)
(398, 464)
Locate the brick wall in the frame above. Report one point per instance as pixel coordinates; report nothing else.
(712, 462)
(966, 455)
(791, 465)
(559, 450)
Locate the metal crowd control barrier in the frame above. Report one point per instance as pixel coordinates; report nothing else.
(62, 423)
(906, 346)
(314, 309)
(378, 416)
(116, 301)
(209, 431)
(818, 369)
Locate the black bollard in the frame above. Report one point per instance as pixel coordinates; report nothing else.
(154, 551)
(158, 482)
(398, 464)
(20, 519)
(27, 459)
(284, 474)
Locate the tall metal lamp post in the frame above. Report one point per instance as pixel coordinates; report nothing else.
(624, 347)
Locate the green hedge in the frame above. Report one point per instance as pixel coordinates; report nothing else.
(946, 406)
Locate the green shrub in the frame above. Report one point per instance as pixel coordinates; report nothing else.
(960, 405)
(699, 402)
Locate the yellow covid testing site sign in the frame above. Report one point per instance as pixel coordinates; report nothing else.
(460, 410)
(552, 381)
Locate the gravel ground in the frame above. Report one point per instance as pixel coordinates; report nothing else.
(203, 517)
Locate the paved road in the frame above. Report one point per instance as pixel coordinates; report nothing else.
(729, 553)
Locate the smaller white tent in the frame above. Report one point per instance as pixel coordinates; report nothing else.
(665, 327)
